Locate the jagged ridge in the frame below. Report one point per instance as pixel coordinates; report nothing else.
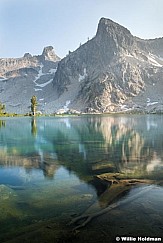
(20, 78)
(114, 71)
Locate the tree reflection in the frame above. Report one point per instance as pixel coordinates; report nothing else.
(2, 123)
(33, 127)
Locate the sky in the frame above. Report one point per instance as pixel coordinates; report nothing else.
(27, 26)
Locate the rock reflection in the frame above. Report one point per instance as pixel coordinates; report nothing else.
(154, 163)
(129, 145)
(121, 139)
(49, 166)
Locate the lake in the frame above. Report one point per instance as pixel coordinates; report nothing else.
(47, 176)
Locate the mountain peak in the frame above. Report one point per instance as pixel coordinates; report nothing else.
(109, 26)
(114, 35)
(49, 54)
(27, 55)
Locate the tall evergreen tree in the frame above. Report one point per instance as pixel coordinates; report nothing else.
(2, 108)
(34, 105)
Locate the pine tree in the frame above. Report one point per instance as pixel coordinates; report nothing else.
(34, 105)
(2, 108)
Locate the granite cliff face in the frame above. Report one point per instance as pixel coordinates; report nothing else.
(20, 78)
(114, 71)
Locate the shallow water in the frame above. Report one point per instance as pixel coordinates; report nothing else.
(47, 166)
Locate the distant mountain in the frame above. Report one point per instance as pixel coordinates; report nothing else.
(113, 72)
(20, 78)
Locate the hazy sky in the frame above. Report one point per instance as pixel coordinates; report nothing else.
(30, 25)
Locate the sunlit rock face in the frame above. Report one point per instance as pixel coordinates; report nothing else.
(21, 78)
(114, 71)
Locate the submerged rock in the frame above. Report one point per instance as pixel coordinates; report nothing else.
(6, 192)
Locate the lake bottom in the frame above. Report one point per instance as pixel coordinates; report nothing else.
(141, 217)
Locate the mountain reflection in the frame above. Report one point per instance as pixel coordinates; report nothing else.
(84, 145)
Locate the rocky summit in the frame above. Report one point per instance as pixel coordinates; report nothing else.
(113, 72)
